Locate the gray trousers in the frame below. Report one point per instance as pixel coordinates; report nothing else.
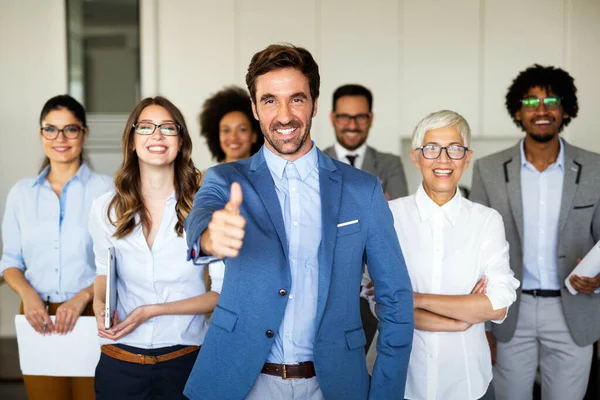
(541, 339)
(268, 387)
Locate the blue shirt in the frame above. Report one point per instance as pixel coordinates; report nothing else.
(541, 194)
(47, 236)
(298, 192)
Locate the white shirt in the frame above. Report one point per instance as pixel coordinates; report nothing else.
(153, 276)
(448, 250)
(342, 152)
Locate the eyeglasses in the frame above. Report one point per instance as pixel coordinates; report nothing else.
(51, 132)
(433, 151)
(551, 102)
(148, 128)
(360, 119)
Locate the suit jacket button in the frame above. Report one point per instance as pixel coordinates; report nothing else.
(282, 292)
(269, 334)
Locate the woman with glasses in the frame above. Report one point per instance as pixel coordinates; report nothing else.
(159, 326)
(457, 258)
(47, 253)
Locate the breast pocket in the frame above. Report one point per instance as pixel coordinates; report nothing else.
(348, 228)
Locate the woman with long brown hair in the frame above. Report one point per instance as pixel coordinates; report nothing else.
(47, 257)
(161, 295)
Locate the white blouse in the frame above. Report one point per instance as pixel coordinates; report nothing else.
(153, 276)
(448, 249)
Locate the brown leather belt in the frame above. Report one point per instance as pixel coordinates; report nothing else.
(127, 356)
(290, 371)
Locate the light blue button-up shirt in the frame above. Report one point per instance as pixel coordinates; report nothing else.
(298, 192)
(47, 236)
(541, 195)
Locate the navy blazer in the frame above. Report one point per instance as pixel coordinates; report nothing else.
(237, 343)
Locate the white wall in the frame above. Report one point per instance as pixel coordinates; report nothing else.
(417, 56)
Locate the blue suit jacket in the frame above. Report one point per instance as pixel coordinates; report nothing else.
(236, 345)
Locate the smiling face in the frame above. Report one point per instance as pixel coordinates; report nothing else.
(156, 150)
(541, 124)
(441, 175)
(61, 149)
(285, 110)
(351, 121)
(236, 136)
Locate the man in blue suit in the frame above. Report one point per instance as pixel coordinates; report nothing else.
(295, 228)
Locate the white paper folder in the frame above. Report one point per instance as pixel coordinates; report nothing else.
(74, 354)
(589, 267)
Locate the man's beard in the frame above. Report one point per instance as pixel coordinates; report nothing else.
(348, 146)
(542, 138)
(298, 140)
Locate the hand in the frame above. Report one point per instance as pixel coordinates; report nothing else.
(387, 196)
(136, 318)
(493, 346)
(584, 284)
(481, 286)
(35, 313)
(225, 233)
(99, 312)
(68, 312)
(371, 289)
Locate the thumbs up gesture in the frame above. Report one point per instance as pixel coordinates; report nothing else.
(225, 232)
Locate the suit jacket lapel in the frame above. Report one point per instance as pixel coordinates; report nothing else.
(572, 172)
(260, 177)
(369, 163)
(512, 177)
(330, 151)
(330, 186)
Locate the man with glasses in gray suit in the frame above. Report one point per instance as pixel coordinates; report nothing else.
(352, 117)
(548, 193)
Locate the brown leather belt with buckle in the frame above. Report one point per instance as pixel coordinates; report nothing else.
(127, 356)
(290, 371)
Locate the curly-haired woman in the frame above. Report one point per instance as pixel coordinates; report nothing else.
(228, 125)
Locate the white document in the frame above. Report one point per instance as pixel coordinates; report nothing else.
(589, 266)
(74, 354)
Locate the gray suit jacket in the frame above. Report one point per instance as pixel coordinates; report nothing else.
(497, 184)
(387, 167)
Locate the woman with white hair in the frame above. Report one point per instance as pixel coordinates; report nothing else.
(457, 258)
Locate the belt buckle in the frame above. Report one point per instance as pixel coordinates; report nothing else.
(153, 359)
(534, 292)
(284, 371)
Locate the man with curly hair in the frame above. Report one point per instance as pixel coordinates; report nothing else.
(548, 193)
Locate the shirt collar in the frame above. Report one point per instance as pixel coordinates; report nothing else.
(560, 160)
(304, 164)
(427, 206)
(342, 152)
(83, 174)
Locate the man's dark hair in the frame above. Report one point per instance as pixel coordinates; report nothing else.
(278, 56)
(352, 90)
(230, 99)
(555, 80)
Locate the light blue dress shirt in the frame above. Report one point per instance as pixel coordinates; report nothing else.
(541, 194)
(47, 236)
(298, 192)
